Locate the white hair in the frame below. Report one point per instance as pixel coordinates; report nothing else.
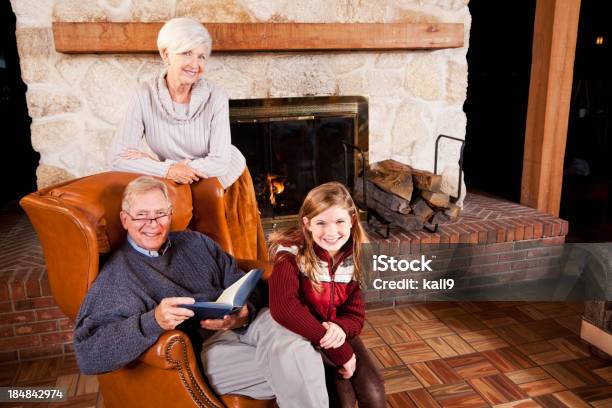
(141, 185)
(182, 34)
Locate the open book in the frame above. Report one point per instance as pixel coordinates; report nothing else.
(231, 300)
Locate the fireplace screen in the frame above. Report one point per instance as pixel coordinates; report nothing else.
(294, 144)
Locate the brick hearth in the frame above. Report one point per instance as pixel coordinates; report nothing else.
(484, 220)
(509, 243)
(514, 243)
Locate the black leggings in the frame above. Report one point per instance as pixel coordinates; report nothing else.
(365, 386)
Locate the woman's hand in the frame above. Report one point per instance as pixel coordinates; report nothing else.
(181, 173)
(169, 314)
(334, 337)
(348, 369)
(228, 322)
(132, 154)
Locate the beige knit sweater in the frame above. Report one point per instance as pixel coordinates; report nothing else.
(199, 132)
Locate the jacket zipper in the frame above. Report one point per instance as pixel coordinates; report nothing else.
(331, 268)
(332, 273)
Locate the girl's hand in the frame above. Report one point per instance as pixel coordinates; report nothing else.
(348, 369)
(334, 337)
(132, 154)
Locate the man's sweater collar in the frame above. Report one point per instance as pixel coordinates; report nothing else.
(152, 254)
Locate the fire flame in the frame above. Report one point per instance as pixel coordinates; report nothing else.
(275, 186)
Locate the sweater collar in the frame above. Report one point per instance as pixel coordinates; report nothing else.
(200, 93)
(345, 252)
(147, 252)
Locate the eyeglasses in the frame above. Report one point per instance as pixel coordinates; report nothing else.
(161, 218)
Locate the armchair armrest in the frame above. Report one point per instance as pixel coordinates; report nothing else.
(163, 354)
(173, 353)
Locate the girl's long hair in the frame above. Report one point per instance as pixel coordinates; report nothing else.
(318, 200)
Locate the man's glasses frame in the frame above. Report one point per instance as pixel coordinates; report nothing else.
(149, 220)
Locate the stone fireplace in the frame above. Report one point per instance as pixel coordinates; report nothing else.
(76, 101)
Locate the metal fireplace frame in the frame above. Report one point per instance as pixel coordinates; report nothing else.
(305, 108)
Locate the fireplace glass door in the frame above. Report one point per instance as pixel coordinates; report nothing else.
(294, 144)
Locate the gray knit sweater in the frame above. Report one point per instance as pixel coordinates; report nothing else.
(200, 133)
(116, 322)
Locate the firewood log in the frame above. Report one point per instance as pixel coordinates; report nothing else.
(453, 211)
(421, 210)
(389, 200)
(426, 180)
(393, 177)
(436, 200)
(408, 222)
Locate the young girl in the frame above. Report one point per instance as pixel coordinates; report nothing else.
(315, 289)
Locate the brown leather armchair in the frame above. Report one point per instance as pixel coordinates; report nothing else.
(78, 223)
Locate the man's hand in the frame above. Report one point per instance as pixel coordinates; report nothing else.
(169, 315)
(348, 369)
(228, 322)
(181, 173)
(334, 337)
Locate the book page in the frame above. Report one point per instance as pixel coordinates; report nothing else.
(229, 294)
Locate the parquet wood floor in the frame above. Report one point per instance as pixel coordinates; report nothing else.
(494, 354)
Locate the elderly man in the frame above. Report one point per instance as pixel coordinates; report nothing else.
(139, 292)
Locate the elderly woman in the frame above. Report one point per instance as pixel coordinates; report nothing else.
(184, 120)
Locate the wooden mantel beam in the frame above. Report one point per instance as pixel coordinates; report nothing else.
(552, 67)
(249, 37)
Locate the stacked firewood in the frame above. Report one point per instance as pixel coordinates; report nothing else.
(406, 197)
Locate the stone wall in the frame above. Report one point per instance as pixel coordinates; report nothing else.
(76, 101)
